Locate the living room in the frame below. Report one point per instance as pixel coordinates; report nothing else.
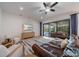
(24, 26)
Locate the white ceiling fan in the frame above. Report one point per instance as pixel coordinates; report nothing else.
(48, 7)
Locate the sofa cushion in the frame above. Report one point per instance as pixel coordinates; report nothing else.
(59, 35)
(3, 51)
(15, 51)
(56, 42)
(12, 48)
(16, 39)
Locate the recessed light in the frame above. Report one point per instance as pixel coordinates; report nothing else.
(21, 8)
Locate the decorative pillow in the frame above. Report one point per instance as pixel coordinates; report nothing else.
(76, 41)
(8, 42)
(64, 43)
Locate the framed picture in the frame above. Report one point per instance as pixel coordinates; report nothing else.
(27, 28)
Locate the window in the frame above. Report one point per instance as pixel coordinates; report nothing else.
(63, 26)
(52, 27)
(46, 30)
(57, 26)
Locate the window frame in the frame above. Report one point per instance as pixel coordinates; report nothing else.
(57, 25)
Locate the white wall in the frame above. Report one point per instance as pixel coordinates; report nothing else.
(0, 23)
(57, 18)
(12, 25)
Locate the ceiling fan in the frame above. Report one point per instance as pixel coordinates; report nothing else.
(48, 7)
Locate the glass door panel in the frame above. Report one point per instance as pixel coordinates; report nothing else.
(63, 26)
(46, 30)
(52, 27)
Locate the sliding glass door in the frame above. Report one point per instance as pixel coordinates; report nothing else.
(63, 26)
(52, 28)
(46, 30)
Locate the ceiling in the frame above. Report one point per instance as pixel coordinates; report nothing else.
(31, 9)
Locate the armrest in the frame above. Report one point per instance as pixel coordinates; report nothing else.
(16, 52)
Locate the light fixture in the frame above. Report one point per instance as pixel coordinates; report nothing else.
(48, 9)
(21, 8)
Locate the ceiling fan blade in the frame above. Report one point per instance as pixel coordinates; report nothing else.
(52, 10)
(44, 4)
(41, 10)
(53, 4)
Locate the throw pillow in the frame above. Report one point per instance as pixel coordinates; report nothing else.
(64, 43)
